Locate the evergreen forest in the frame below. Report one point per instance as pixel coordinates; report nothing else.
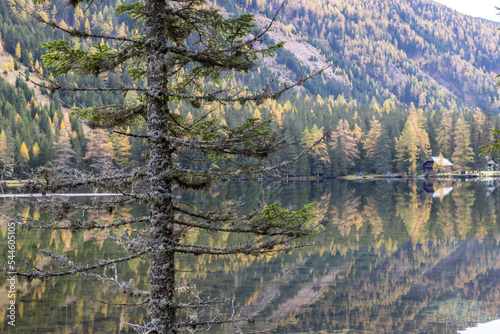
(408, 80)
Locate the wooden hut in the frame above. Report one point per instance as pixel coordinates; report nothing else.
(442, 163)
(492, 165)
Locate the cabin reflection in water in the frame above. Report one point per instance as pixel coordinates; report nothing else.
(437, 190)
(492, 185)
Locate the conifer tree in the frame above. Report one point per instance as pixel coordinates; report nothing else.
(121, 148)
(319, 152)
(11, 63)
(341, 167)
(463, 156)
(36, 149)
(208, 47)
(417, 120)
(370, 142)
(24, 152)
(6, 154)
(413, 145)
(445, 135)
(348, 140)
(407, 150)
(99, 150)
(382, 161)
(18, 51)
(439, 164)
(64, 149)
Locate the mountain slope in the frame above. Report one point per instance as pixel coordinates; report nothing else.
(419, 51)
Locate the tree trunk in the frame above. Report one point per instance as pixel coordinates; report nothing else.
(3, 176)
(161, 214)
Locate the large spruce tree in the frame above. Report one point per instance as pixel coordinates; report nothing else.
(181, 50)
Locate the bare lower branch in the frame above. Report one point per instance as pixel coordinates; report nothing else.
(73, 225)
(53, 86)
(112, 116)
(43, 274)
(52, 180)
(123, 304)
(265, 94)
(256, 246)
(72, 32)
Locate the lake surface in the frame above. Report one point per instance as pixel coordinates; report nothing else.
(403, 257)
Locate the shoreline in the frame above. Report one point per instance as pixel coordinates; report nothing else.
(351, 177)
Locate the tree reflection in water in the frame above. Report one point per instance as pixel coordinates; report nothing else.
(404, 257)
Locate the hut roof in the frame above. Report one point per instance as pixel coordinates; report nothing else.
(441, 192)
(440, 161)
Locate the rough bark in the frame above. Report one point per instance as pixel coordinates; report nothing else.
(161, 213)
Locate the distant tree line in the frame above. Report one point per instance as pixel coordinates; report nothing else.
(367, 138)
(375, 138)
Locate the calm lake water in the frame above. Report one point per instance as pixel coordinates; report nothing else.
(404, 257)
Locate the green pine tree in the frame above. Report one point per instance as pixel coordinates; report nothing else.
(187, 51)
(382, 156)
(463, 156)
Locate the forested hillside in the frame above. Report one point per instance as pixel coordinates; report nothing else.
(420, 52)
(409, 79)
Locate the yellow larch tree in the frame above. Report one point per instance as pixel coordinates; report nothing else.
(11, 63)
(99, 149)
(348, 140)
(24, 152)
(18, 51)
(121, 148)
(371, 139)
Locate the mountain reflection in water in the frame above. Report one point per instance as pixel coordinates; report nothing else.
(404, 257)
